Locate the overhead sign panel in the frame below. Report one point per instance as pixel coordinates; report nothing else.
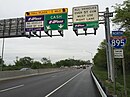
(86, 17)
(11, 27)
(54, 19)
(44, 12)
(34, 23)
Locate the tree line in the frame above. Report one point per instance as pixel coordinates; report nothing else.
(122, 20)
(28, 62)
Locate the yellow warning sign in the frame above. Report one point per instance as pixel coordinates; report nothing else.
(44, 12)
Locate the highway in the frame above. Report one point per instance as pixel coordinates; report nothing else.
(68, 83)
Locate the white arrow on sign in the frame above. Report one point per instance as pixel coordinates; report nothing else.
(60, 26)
(48, 27)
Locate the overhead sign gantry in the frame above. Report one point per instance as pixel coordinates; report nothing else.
(36, 23)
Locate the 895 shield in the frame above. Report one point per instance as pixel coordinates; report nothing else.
(118, 42)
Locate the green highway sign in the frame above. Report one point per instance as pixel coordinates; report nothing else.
(53, 19)
(56, 21)
(93, 24)
(86, 17)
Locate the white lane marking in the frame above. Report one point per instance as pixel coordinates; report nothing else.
(4, 90)
(62, 85)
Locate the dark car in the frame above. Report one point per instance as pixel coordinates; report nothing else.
(84, 67)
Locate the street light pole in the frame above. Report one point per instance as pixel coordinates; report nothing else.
(91, 54)
(3, 44)
(2, 54)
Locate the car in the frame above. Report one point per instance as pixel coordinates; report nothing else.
(78, 67)
(84, 67)
(24, 69)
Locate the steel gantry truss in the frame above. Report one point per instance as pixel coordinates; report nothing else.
(15, 27)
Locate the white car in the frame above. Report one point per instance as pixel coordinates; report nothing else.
(24, 69)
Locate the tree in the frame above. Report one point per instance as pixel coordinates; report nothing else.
(36, 65)
(70, 62)
(122, 17)
(24, 62)
(100, 57)
(45, 60)
(1, 60)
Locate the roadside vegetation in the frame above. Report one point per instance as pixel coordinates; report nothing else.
(122, 19)
(28, 62)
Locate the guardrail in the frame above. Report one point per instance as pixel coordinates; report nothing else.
(103, 94)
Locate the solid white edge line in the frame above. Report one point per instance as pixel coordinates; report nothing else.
(4, 90)
(62, 85)
(99, 86)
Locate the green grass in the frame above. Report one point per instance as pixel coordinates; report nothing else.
(101, 74)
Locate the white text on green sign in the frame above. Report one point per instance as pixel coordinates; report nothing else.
(56, 22)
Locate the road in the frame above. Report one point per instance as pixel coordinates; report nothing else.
(68, 83)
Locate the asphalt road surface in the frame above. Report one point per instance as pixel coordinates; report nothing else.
(68, 83)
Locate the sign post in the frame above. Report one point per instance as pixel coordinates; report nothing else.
(118, 41)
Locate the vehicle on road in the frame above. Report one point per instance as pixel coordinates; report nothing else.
(84, 67)
(24, 69)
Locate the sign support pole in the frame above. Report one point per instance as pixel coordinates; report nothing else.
(109, 52)
(3, 45)
(2, 54)
(125, 88)
(114, 84)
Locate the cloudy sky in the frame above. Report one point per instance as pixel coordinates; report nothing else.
(55, 48)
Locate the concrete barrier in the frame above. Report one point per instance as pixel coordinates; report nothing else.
(103, 94)
(6, 75)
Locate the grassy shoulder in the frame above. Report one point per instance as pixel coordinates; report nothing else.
(101, 74)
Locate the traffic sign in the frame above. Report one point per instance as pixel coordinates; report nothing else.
(117, 33)
(118, 42)
(118, 53)
(110, 14)
(85, 17)
(56, 22)
(45, 12)
(34, 23)
(13, 27)
(54, 19)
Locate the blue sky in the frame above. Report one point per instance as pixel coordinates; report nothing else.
(55, 48)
